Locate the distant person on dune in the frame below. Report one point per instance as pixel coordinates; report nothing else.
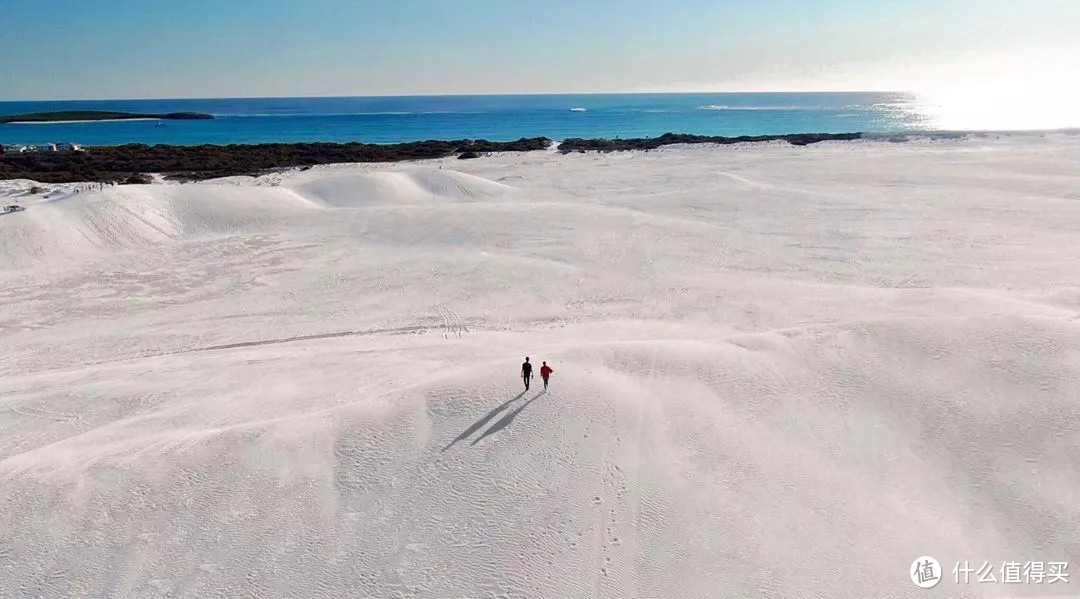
(545, 372)
(526, 372)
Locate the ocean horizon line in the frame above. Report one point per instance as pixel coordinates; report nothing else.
(398, 119)
(463, 95)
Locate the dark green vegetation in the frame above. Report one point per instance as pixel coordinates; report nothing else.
(97, 115)
(651, 143)
(118, 163)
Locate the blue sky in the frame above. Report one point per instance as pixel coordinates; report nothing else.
(68, 49)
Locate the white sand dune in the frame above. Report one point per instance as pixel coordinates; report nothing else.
(393, 188)
(74, 226)
(137, 216)
(780, 371)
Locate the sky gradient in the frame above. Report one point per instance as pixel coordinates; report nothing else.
(74, 49)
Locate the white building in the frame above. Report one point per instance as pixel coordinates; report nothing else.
(56, 147)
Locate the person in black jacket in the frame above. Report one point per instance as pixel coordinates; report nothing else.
(526, 372)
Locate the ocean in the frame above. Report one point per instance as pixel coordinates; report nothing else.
(492, 117)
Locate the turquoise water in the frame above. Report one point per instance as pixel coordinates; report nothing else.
(496, 118)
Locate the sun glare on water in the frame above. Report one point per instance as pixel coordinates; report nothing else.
(998, 109)
(1029, 98)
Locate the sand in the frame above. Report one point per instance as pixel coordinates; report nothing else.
(779, 371)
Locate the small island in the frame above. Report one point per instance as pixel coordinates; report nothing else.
(98, 115)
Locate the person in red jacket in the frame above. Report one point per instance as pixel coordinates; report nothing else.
(545, 372)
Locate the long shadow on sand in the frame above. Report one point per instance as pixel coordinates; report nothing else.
(487, 418)
(506, 420)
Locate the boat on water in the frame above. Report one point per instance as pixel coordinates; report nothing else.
(577, 110)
